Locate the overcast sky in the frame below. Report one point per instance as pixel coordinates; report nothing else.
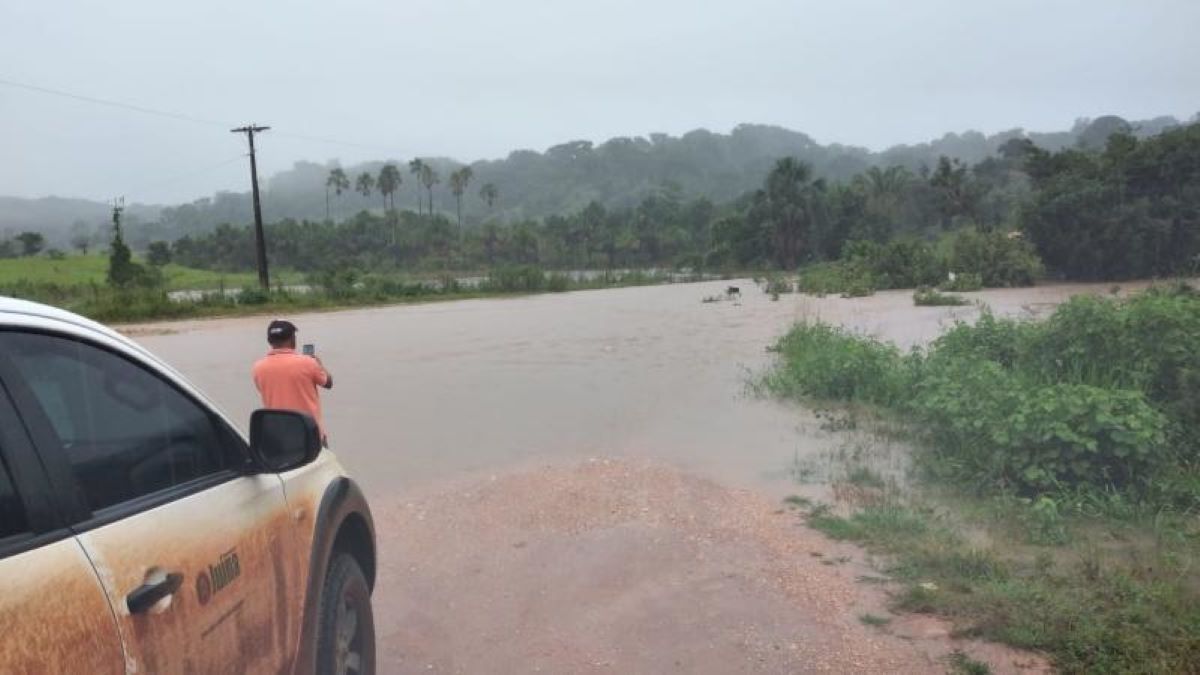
(475, 79)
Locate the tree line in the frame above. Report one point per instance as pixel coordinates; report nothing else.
(1126, 209)
(1114, 207)
(564, 178)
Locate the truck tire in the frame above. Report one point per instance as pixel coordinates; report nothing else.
(346, 625)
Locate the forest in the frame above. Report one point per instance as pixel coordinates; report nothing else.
(617, 173)
(1126, 208)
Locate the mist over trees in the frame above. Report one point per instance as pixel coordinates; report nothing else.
(1131, 209)
(617, 174)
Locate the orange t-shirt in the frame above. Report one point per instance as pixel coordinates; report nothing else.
(289, 381)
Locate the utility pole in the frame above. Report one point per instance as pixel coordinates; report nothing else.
(118, 207)
(260, 240)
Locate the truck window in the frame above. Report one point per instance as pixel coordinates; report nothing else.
(126, 432)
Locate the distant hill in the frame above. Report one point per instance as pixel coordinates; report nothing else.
(59, 217)
(564, 178)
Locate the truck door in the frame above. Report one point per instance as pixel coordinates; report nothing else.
(54, 616)
(195, 553)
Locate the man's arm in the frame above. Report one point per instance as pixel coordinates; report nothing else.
(328, 376)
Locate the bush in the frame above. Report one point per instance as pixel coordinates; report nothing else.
(253, 295)
(1000, 260)
(1104, 393)
(515, 279)
(900, 263)
(927, 297)
(336, 283)
(991, 428)
(832, 277)
(963, 282)
(989, 338)
(824, 362)
(1150, 343)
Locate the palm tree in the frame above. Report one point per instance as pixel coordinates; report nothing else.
(791, 206)
(459, 180)
(364, 184)
(417, 168)
(429, 178)
(388, 182)
(884, 189)
(339, 182)
(489, 194)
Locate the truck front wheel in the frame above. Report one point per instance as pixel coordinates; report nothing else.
(346, 635)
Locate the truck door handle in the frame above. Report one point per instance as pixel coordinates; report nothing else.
(145, 596)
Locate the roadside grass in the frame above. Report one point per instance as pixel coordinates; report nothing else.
(86, 270)
(1054, 492)
(1093, 604)
(327, 292)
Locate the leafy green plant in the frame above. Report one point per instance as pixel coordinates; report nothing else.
(1000, 259)
(824, 362)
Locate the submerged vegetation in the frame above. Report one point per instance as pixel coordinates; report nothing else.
(1072, 443)
(928, 297)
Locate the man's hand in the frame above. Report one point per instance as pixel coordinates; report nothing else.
(328, 376)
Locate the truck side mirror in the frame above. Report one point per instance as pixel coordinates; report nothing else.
(282, 440)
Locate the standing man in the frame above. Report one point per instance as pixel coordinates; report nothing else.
(287, 380)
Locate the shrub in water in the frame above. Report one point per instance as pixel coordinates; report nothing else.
(963, 282)
(1000, 260)
(927, 297)
(826, 362)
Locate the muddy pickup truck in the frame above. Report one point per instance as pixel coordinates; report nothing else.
(140, 532)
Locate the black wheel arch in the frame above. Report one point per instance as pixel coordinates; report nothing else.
(343, 523)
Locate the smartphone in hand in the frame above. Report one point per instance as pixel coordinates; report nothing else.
(309, 349)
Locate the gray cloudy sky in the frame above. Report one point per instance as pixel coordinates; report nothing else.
(473, 79)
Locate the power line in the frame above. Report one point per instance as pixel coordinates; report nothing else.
(186, 118)
(332, 141)
(112, 104)
(186, 174)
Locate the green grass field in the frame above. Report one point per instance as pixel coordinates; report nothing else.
(86, 269)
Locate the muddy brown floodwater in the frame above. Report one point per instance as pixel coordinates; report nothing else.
(581, 482)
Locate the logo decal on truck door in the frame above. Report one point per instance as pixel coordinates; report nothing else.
(218, 576)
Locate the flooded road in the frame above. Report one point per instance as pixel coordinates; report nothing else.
(428, 392)
(581, 482)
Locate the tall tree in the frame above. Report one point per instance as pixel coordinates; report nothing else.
(417, 168)
(122, 271)
(957, 193)
(31, 243)
(489, 194)
(364, 184)
(429, 178)
(339, 182)
(791, 208)
(158, 254)
(388, 182)
(459, 180)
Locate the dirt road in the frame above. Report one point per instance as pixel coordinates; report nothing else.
(580, 483)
